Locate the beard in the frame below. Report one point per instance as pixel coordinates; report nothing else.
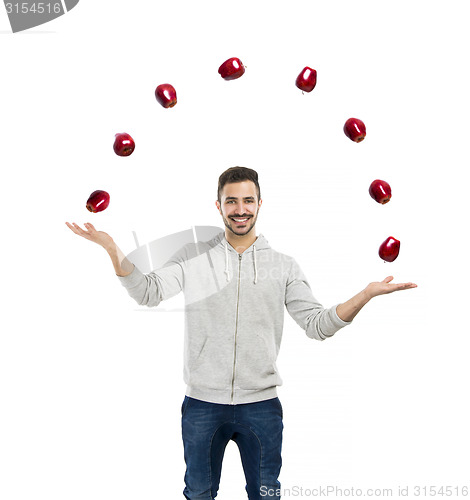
(241, 231)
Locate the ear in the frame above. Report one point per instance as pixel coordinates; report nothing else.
(217, 204)
(260, 202)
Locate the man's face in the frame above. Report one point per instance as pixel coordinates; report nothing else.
(239, 200)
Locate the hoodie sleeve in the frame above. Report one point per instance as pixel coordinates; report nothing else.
(319, 323)
(150, 289)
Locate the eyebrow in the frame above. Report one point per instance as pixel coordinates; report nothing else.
(245, 198)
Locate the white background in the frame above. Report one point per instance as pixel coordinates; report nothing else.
(91, 383)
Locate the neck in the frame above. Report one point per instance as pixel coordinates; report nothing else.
(242, 242)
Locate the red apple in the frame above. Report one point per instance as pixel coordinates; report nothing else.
(355, 129)
(389, 249)
(307, 79)
(380, 191)
(166, 95)
(98, 201)
(124, 145)
(231, 69)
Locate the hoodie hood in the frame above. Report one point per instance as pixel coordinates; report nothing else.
(259, 244)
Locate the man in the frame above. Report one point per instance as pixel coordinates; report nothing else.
(236, 287)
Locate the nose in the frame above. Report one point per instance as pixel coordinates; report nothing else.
(243, 208)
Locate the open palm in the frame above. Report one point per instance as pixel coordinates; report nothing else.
(91, 234)
(382, 287)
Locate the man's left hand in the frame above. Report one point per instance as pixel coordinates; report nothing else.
(382, 287)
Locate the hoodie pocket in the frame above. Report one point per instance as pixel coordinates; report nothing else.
(210, 366)
(255, 366)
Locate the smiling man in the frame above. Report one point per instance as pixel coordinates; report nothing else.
(236, 289)
(239, 204)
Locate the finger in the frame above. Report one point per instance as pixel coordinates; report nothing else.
(90, 226)
(72, 228)
(80, 231)
(387, 279)
(404, 286)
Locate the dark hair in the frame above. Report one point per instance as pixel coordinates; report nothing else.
(238, 174)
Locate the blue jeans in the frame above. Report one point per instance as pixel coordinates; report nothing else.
(257, 430)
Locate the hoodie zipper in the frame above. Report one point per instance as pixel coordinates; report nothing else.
(236, 327)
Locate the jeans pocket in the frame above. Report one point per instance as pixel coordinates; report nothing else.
(278, 401)
(184, 405)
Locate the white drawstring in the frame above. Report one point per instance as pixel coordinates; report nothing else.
(227, 272)
(254, 263)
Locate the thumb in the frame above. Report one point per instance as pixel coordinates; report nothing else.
(387, 279)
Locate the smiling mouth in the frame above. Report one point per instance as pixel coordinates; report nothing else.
(240, 220)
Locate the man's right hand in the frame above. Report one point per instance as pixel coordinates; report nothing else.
(92, 234)
(122, 265)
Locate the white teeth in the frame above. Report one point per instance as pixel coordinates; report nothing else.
(240, 220)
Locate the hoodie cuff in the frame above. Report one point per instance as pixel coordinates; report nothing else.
(131, 279)
(337, 320)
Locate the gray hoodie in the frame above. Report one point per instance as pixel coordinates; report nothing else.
(234, 314)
